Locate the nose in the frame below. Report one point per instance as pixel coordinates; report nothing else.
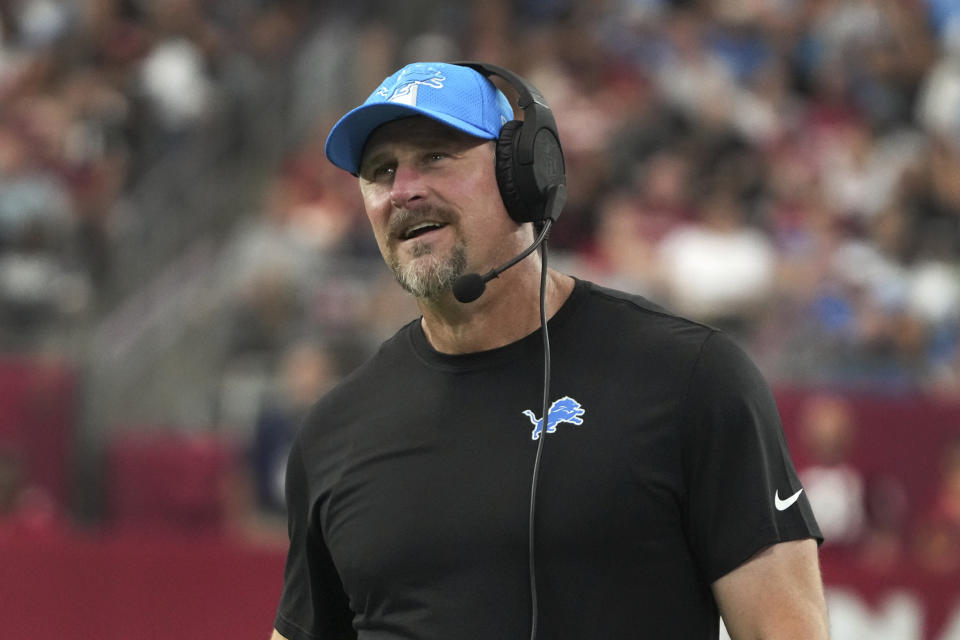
(408, 186)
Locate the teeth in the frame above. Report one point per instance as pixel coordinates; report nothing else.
(420, 227)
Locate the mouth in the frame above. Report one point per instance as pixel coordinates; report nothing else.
(420, 229)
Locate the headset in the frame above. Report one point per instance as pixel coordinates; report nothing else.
(530, 173)
(532, 181)
(529, 159)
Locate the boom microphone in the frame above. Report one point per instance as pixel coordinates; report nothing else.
(471, 286)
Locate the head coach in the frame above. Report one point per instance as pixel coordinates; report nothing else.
(535, 456)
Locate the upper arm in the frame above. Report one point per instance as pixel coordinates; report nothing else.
(313, 602)
(736, 464)
(778, 593)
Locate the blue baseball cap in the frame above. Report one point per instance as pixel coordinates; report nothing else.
(457, 96)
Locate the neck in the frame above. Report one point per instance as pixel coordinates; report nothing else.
(507, 311)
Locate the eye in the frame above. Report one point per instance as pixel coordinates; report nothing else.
(436, 156)
(379, 172)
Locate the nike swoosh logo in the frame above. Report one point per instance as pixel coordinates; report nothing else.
(783, 505)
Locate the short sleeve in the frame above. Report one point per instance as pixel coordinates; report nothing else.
(742, 490)
(313, 605)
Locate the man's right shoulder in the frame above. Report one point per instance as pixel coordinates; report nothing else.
(358, 387)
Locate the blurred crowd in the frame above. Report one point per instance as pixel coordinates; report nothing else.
(788, 170)
(882, 507)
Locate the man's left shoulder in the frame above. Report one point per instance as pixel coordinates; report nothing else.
(622, 310)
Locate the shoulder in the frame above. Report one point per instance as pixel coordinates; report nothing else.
(337, 407)
(706, 360)
(633, 321)
(599, 294)
(620, 337)
(638, 309)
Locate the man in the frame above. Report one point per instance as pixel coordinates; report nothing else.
(666, 493)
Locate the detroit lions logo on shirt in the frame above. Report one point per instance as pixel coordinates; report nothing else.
(409, 83)
(566, 409)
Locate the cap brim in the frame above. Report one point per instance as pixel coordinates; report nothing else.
(344, 145)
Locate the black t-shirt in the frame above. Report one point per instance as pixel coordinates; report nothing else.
(408, 487)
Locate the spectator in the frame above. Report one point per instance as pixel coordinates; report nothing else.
(25, 510)
(719, 270)
(861, 512)
(835, 486)
(306, 371)
(37, 283)
(937, 541)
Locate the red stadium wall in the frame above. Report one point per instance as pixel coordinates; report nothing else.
(128, 587)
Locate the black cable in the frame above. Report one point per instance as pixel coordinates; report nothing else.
(544, 420)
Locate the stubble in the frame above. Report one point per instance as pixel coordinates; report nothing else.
(428, 275)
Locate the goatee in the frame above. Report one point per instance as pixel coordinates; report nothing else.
(427, 275)
(430, 277)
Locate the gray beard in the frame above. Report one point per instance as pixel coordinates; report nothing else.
(430, 279)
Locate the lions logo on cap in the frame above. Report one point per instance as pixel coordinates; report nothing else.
(409, 82)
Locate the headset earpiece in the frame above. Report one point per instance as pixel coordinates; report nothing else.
(506, 172)
(529, 159)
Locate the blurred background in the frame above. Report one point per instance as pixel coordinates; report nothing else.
(182, 272)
